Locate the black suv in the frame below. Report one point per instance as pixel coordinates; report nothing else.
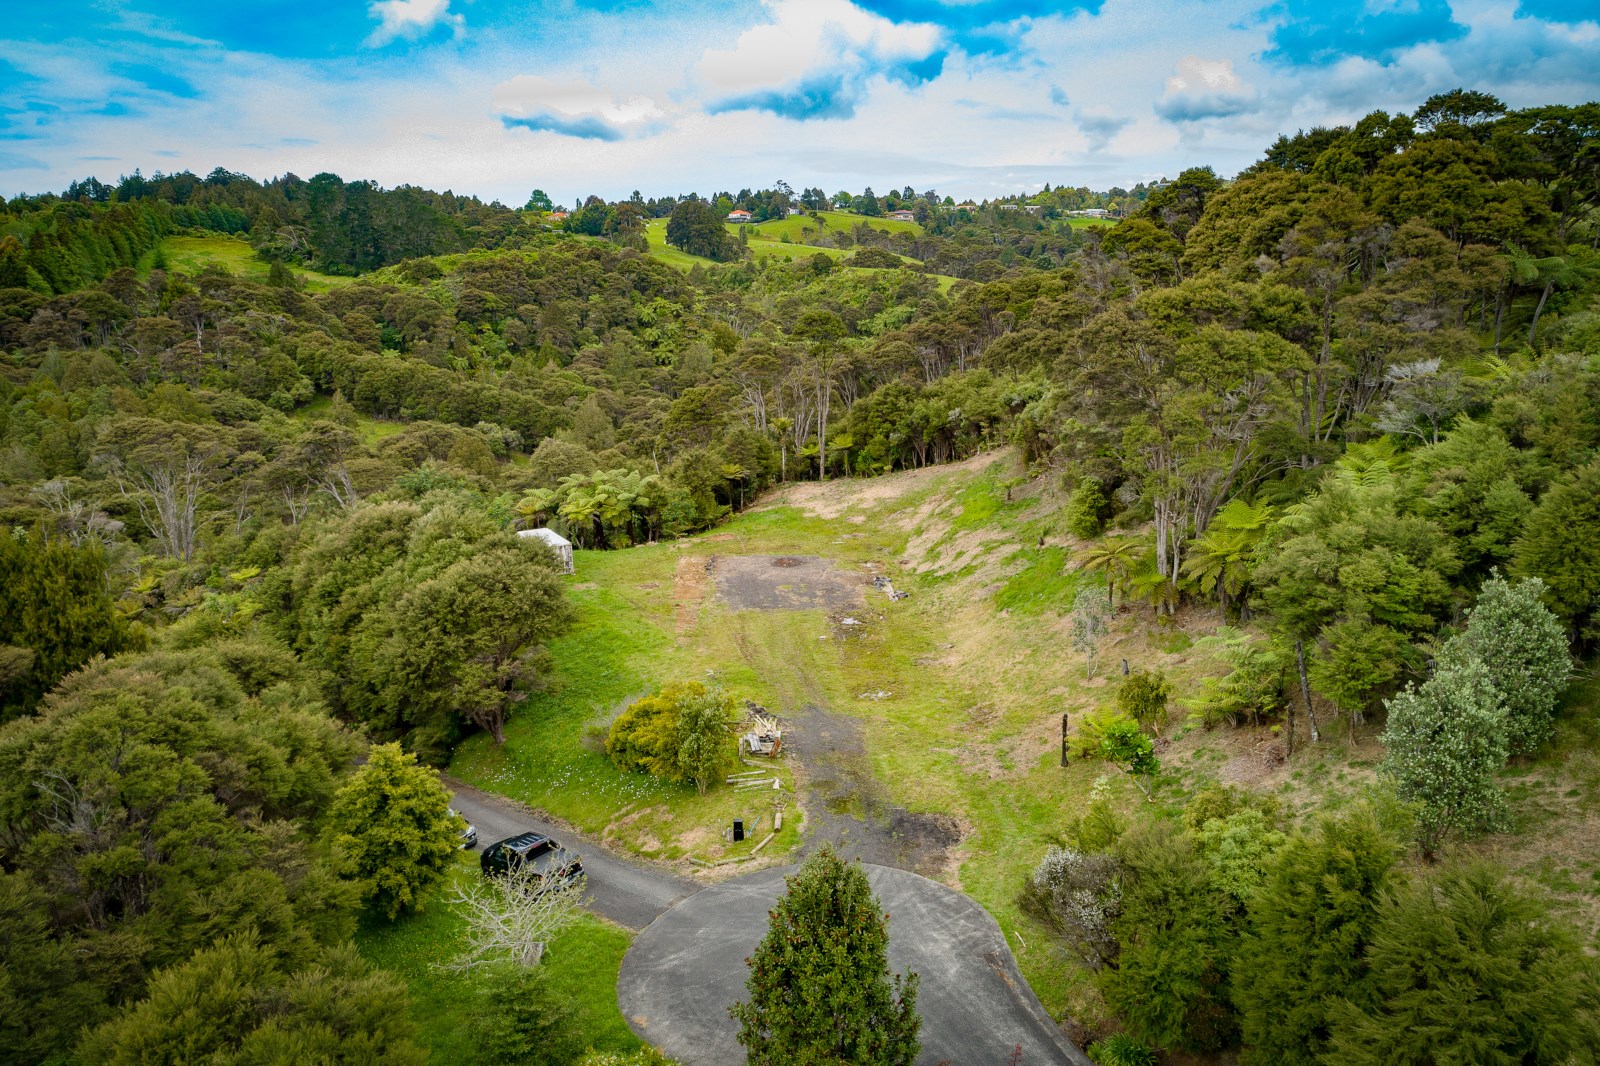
(551, 860)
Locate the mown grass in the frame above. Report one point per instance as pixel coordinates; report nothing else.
(234, 255)
(581, 963)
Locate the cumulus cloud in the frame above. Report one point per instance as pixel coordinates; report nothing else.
(1205, 88)
(410, 19)
(815, 59)
(575, 108)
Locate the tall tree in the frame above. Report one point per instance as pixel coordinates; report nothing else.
(393, 823)
(1446, 741)
(820, 991)
(1521, 643)
(55, 614)
(1467, 967)
(1555, 546)
(1309, 927)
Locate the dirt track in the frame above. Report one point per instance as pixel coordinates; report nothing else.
(848, 807)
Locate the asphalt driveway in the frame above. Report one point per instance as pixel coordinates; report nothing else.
(626, 892)
(688, 966)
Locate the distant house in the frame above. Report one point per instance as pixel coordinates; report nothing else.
(557, 216)
(902, 216)
(968, 206)
(554, 541)
(1008, 207)
(1033, 209)
(738, 216)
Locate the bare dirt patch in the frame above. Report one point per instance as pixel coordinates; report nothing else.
(831, 499)
(785, 583)
(847, 807)
(688, 590)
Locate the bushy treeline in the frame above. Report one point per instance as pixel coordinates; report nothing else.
(339, 227)
(161, 814)
(1230, 929)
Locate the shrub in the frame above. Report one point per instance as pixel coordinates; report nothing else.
(1079, 896)
(1085, 511)
(1120, 1049)
(1142, 696)
(681, 733)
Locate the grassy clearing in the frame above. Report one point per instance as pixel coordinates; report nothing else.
(795, 226)
(370, 430)
(234, 255)
(1091, 223)
(980, 671)
(582, 963)
(766, 242)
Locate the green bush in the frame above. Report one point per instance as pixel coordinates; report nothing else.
(681, 733)
(1143, 695)
(1120, 1049)
(1085, 512)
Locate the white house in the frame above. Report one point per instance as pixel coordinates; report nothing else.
(902, 216)
(554, 541)
(738, 216)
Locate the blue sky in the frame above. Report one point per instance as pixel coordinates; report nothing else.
(970, 97)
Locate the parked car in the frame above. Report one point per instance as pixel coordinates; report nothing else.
(469, 835)
(554, 863)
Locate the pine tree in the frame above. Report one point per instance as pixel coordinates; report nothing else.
(1446, 741)
(55, 615)
(1171, 981)
(820, 992)
(1468, 968)
(1513, 634)
(1309, 926)
(1557, 544)
(393, 822)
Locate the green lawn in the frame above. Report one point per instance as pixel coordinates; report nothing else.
(1091, 223)
(831, 221)
(582, 962)
(233, 254)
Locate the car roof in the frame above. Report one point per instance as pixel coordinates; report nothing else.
(525, 840)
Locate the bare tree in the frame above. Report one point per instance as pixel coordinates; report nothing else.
(167, 495)
(513, 916)
(80, 519)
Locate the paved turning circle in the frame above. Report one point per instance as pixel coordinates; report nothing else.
(688, 967)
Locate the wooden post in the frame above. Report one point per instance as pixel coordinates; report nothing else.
(1064, 717)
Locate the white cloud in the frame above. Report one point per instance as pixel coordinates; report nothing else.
(811, 46)
(574, 108)
(410, 19)
(1205, 88)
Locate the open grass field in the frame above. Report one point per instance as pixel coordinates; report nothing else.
(581, 963)
(767, 243)
(370, 430)
(957, 693)
(1091, 223)
(233, 254)
(796, 226)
